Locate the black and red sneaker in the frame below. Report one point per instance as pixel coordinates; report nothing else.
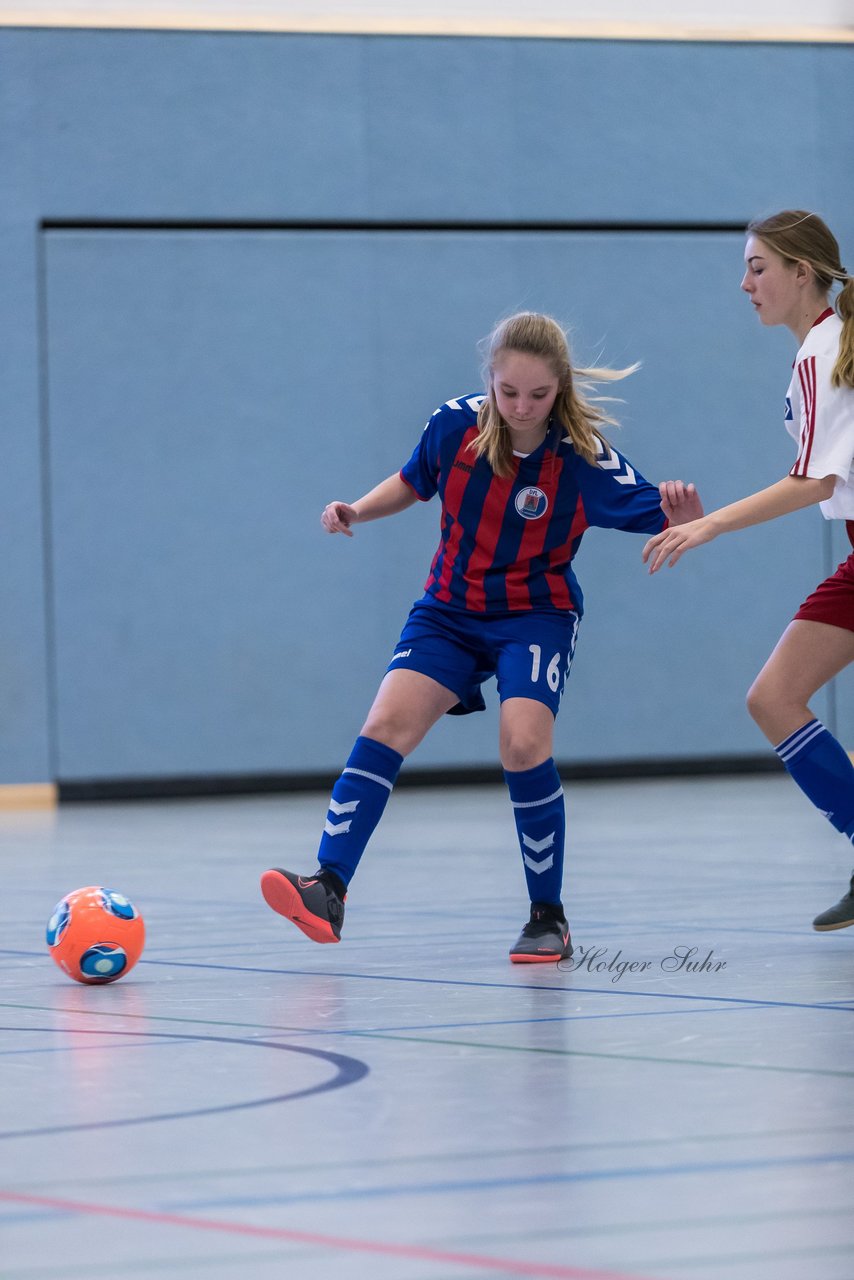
(545, 938)
(839, 916)
(315, 903)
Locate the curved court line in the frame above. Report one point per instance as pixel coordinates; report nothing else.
(347, 1071)
(382, 1248)
(610, 990)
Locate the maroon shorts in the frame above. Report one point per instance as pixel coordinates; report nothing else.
(833, 601)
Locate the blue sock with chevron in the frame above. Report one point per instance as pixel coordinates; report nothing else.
(821, 768)
(537, 798)
(358, 800)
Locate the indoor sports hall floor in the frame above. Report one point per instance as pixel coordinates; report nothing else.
(408, 1105)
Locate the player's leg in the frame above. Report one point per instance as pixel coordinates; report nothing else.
(407, 705)
(808, 655)
(432, 670)
(532, 666)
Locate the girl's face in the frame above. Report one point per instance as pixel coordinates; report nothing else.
(525, 388)
(774, 285)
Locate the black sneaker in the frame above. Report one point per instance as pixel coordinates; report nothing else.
(838, 917)
(314, 903)
(545, 937)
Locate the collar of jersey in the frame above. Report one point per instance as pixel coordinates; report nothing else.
(544, 444)
(824, 315)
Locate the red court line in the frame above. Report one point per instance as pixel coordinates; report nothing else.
(385, 1248)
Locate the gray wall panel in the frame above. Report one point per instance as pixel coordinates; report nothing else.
(210, 392)
(194, 125)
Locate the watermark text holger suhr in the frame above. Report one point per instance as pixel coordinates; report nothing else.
(680, 960)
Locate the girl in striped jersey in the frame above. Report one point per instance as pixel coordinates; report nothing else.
(793, 264)
(521, 472)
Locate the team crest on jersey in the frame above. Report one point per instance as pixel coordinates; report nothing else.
(789, 414)
(531, 503)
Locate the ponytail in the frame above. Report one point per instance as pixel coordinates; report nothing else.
(843, 370)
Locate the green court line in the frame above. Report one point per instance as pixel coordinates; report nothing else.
(618, 1057)
(622, 1228)
(505, 1153)
(635, 1228)
(464, 1044)
(732, 1259)
(563, 1053)
(155, 1017)
(508, 1153)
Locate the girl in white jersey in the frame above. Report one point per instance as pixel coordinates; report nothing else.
(793, 264)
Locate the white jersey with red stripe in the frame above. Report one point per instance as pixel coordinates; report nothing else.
(820, 417)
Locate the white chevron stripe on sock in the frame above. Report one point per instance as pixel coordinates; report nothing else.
(350, 807)
(337, 828)
(537, 846)
(539, 867)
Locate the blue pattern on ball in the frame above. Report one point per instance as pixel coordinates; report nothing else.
(58, 922)
(103, 961)
(117, 904)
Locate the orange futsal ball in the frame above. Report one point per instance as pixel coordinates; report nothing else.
(95, 935)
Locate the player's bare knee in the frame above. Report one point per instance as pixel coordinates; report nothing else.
(757, 702)
(391, 731)
(520, 753)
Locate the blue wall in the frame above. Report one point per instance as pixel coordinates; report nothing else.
(178, 404)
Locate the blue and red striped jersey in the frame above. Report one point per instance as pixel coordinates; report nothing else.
(507, 543)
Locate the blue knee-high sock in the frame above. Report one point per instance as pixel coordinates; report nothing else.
(822, 770)
(358, 800)
(537, 797)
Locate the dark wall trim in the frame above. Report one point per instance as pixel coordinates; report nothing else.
(362, 224)
(96, 789)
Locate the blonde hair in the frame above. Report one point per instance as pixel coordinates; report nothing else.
(800, 236)
(537, 335)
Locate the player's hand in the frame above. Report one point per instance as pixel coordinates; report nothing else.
(671, 545)
(337, 518)
(680, 502)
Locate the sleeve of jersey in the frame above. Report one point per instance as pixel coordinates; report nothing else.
(826, 440)
(421, 472)
(616, 496)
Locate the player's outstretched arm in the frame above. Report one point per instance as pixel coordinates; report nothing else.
(389, 497)
(792, 493)
(680, 502)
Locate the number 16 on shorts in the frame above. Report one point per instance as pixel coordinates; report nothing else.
(553, 670)
(548, 662)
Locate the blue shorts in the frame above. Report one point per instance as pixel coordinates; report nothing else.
(529, 653)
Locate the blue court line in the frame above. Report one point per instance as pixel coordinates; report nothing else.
(610, 990)
(532, 1180)
(31, 1215)
(500, 986)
